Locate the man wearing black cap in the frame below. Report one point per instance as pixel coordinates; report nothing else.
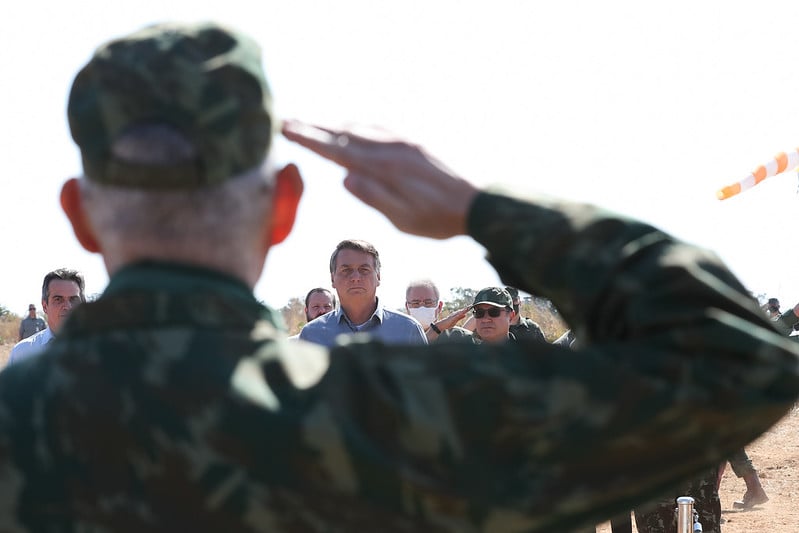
(493, 314)
(174, 403)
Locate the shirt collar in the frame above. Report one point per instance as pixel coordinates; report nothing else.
(378, 315)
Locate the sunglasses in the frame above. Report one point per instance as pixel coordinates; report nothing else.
(494, 312)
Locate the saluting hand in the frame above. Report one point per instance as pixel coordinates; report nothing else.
(417, 193)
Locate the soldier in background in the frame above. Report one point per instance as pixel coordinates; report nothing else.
(31, 324)
(523, 327)
(660, 517)
(174, 403)
(742, 467)
(493, 315)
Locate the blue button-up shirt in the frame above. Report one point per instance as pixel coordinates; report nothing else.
(388, 326)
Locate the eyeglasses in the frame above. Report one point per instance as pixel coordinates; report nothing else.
(413, 304)
(494, 312)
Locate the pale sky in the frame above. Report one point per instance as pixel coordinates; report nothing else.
(645, 109)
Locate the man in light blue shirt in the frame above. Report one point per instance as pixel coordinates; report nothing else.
(62, 290)
(355, 274)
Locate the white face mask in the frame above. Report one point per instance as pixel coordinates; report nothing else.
(425, 315)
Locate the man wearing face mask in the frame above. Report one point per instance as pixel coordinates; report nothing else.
(423, 302)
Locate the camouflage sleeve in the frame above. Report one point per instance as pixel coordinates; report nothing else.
(676, 368)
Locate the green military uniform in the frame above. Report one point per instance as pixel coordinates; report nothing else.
(785, 324)
(175, 403)
(162, 406)
(741, 463)
(527, 329)
(455, 334)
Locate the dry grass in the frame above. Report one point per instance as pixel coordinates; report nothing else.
(5, 349)
(9, 330)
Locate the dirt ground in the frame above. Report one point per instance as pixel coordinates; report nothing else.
(775, 455)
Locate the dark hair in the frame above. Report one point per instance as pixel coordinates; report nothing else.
(358, 246)
(65, 274)
(319, 289)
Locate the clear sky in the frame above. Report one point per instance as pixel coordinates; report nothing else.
(646, 109)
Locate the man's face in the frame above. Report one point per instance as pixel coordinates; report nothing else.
(32, 312)
(517, 305)
(355, 278)
(319, 303)
(64, 295)
(422, 296)
(492, 328)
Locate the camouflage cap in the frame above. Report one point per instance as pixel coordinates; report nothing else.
(496, 296)
(204, 80)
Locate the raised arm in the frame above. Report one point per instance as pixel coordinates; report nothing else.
(676, 366)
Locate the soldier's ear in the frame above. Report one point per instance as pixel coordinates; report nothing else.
(73, 207)
(286, 196)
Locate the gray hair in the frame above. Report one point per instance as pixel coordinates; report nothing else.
(213, 224)
(422, 283)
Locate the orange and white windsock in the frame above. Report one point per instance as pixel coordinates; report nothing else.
(781, 162)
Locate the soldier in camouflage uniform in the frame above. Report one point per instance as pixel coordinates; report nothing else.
(742, 467)
(661, 516)
(175, 403)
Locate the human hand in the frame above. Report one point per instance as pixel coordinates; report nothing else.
(451, 320)
(417, 193)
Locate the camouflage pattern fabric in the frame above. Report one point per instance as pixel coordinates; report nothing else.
(204, 80)
(622, 523)
(662, 518)
(175, 403)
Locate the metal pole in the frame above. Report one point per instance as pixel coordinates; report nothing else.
(685, 514)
